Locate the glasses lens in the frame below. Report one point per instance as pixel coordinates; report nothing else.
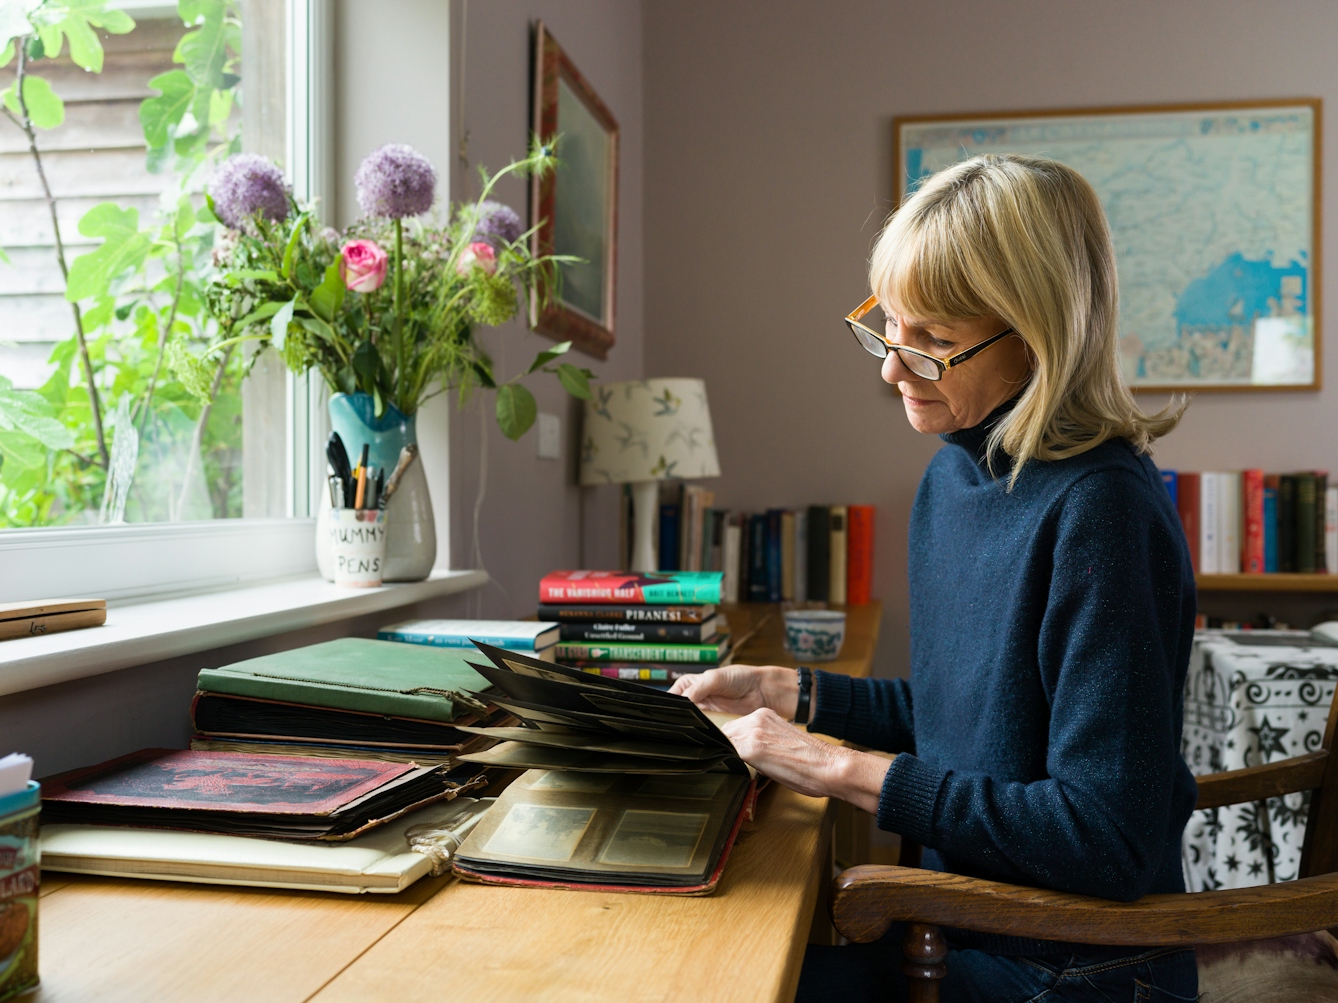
(920, 366)
(871, 344)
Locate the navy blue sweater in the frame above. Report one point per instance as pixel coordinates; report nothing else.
(1038, 737)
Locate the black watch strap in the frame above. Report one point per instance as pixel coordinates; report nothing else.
(805, 695)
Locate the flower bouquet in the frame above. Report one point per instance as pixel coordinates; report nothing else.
(388, 307)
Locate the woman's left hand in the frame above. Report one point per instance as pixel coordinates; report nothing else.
(806, 763)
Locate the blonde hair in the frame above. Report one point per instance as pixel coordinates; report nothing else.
(1023, 239)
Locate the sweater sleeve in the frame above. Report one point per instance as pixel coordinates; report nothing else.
(1112, 632)
(875, 713)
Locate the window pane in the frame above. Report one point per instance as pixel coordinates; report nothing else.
(126, 149)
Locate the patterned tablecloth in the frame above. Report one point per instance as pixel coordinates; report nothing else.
(1249, 702)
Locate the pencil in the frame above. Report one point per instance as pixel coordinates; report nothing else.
(362, 486)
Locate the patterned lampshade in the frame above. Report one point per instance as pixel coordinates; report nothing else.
(647, 430)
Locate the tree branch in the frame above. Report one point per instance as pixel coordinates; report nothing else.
(27, 126)
(146, 403)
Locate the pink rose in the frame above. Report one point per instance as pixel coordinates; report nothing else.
(363, 267)
(478, 253)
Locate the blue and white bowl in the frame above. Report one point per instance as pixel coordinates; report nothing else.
(814, 635)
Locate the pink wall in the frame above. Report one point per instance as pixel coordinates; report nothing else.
(768, 173)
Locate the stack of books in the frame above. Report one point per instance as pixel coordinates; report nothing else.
(651, 627)
(822, 553)
(1252, 522)
(524, 637)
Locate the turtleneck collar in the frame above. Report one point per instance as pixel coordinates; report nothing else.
(973, 439)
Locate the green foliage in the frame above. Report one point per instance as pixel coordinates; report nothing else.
(123, 247)
(281, 285)
(45, 109)
(516, 410)
(141, 294)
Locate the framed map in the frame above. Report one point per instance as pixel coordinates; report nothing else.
(1214, 212)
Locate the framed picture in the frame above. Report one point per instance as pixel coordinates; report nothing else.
(1215, 214)
(575, 208)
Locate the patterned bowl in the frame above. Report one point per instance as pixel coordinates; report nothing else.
(814, 635)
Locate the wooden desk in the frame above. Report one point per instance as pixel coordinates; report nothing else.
(139, 941)
(767, 645)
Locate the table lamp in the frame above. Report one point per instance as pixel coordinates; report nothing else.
(642, 432)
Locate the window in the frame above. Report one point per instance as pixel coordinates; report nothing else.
(161, 469)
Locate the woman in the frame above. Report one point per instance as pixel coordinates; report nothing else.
(1051, 598)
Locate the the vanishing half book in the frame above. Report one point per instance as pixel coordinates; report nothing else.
(279, 797)
(627, 788)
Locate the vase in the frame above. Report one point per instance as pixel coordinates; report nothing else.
(411, 533)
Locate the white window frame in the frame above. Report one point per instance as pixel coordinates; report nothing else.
(142, 560)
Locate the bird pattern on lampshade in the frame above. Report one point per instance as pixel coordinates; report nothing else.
(647, 430)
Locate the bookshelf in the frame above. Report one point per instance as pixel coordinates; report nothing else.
(1270, 582)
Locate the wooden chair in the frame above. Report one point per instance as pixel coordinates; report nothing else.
(866, 900)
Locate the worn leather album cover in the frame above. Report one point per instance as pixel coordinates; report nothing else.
(285, 797)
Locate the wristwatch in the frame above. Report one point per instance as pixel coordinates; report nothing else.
(805, 692)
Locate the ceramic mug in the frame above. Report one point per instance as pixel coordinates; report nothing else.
(814, 635)
(358, 546)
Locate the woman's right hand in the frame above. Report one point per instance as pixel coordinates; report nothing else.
(742, 689)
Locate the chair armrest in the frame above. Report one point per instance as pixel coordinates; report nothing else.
(866, 900)
(1300, 773)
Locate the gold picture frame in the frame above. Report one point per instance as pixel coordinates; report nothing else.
(574, 210)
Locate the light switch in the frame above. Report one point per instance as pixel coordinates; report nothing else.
(550, 436)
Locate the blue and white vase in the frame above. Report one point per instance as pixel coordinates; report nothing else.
(411, 533)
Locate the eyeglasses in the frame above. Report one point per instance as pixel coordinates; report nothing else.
(922, 364)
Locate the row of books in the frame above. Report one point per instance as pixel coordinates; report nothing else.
(1252, 522)
(650, 628)
(820, 553)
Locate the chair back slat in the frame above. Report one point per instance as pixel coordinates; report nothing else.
(1319, 855)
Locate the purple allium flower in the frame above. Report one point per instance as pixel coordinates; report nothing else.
(498, 224)
(396, 181)
(245, 184)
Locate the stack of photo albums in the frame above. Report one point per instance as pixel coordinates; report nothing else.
(626, 789)
(649, 627)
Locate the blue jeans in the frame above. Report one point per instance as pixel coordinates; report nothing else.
(873, 972)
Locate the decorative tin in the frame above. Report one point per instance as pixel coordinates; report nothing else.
(19, 858)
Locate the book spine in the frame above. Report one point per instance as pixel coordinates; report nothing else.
(1270, 523)
(1208, 527)
(443, 641)
(729, 589)
(819, 553)
(1287, 523)
(757, 558)
(859, 550)
(800, 555)
(1229, 515)
(1253, 487)
(1170, 479)
(1305, 523)
(745, 557)
(637, 675)
(787, 555)
(1322, 565)
(704, 654)
(836, 589)
(1187, 501)
(1331, 529)
(669, 522)
(654, 593)
(774, 555)
(650, 633)
(715, 551)
(629, 613)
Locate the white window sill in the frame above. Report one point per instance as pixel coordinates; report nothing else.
(137, 633)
